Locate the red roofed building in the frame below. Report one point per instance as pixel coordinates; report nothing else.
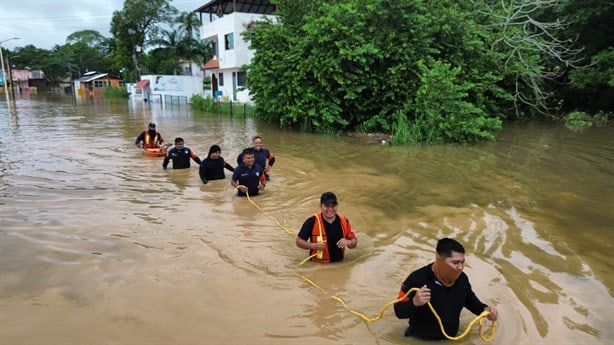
(142, 90)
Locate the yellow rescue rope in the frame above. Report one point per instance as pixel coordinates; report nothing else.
(266, 214)
(480, 318)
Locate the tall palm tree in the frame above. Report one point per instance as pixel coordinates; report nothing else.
(201, 51)
(170, 42)
(188, 24)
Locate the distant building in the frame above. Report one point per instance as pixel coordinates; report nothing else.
(223, 21)
(92, 84)
(140, 91)
(26, 81)
(167, 89)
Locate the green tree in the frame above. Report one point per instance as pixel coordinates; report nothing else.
(91, 38)
(589, 87)
(134, 25)
(344, 65)
(533, 49)
(85, 50)
(167, 52)
(442, 112)
(189, 24)
(195, 50)
(32, 58)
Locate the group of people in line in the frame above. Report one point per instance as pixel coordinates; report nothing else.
(250, 175)
(327, 234)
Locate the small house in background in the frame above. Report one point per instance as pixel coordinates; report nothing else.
(141, 91)
(93, 83)
(26, 81)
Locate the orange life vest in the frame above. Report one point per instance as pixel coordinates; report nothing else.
(319, 235)
(148, 143)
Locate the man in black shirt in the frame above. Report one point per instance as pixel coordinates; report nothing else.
(180, 155)
(327, 233)
(446, 287)
(212, 168)
(248, 177)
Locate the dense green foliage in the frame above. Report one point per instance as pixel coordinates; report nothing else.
(589, 87)
(442, 111)
(358, 64)
(579, 120)
(84, 51)
(426, 71)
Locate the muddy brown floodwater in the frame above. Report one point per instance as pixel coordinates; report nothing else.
(100, 245)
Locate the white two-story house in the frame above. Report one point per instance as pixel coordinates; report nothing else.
(222, 22)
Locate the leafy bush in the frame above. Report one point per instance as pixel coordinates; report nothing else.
(115, 92)
(210, 105)
(442, 113)
(579, 120)
(401, 131)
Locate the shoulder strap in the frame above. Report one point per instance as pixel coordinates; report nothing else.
(319, 222)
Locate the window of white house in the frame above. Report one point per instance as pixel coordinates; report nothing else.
(220, 79)
(214, 48)
(98, 83)
(241, 78)
(229, 41)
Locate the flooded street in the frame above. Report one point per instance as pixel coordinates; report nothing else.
(100, 245)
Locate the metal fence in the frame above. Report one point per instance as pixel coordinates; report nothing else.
(175, 100)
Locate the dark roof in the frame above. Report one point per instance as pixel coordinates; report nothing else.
(244, 6)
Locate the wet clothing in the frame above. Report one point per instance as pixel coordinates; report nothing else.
(180, 158)
(448, 303)
(333, 232)
(213, 169)
(249, 177)
(150, 138)
(260, 158)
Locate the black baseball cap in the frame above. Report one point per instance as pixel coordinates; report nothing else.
(328, 198)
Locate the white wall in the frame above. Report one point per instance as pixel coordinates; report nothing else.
(233, 59)
(175, 85)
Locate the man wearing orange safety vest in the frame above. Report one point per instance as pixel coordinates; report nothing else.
(151, 138)
(327, 234)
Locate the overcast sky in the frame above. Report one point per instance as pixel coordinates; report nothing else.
(46, 23)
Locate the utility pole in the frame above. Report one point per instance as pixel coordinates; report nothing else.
(4, 76)
(8, 62)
